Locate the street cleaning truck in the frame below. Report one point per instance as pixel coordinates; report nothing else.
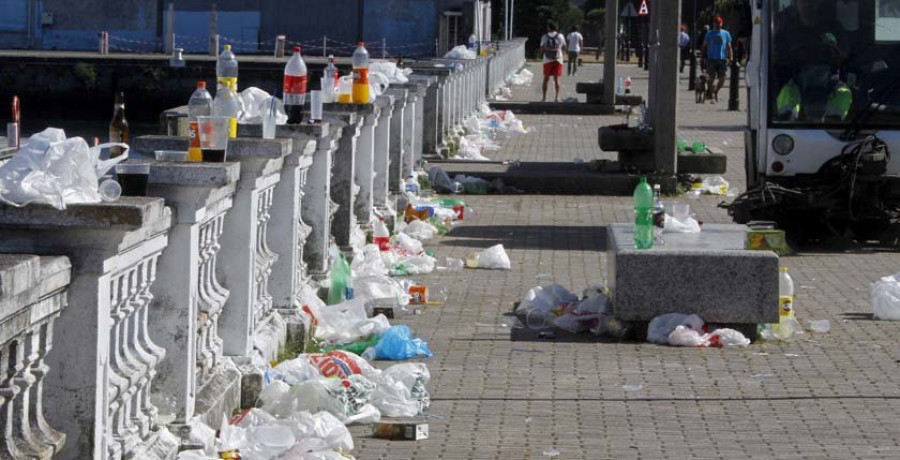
(824, 117)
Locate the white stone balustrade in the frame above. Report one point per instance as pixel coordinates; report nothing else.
(99, 392)
(385, 142)
(32, 296)
(318, 206)
(195, 380)
(399, 136)
(364, 168)
(349, 118)
(425, 138)
(249, 323)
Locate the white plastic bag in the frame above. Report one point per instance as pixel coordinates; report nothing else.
(256, 104)
(390, 70)
(420, 230)
(660, 327)
(413, 265)
(405, 244)
(52, 169)
(460, 52)
(684, 336)
(885, 297)
(340, 323)
(401, 390)
(687, 225)
(494, 257)
(326, 427)
(553, 298)
(727, 338)
(380, 289)
(368, 263)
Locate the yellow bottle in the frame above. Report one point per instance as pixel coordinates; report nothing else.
(361, 75)
(785, 294)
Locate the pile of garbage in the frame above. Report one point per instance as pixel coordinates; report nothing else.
(522, 78)
(461, 52)
(554, 306)
(483, 130)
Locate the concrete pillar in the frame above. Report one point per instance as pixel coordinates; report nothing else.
(248, 321)
(664, 83)
(611, 29)
(106, 360)
(400, 136)
(428, 121)
(364, 174)
(385, 144)
(318, 206)
(187, 297)
(33, 293)
(344, 167)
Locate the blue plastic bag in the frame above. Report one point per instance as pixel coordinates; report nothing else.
(397, 343)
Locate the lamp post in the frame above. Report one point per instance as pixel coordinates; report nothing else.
(692, 75)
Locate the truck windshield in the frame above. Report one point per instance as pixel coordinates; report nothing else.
(834, 61)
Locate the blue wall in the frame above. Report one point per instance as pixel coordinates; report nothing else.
(409, 26)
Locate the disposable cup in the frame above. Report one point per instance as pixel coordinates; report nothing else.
(315, 108)
(214, 137)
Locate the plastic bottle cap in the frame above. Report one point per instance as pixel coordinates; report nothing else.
(227, 47)
(784, 269)
(201, 84)
(297, 49)
(361, 44)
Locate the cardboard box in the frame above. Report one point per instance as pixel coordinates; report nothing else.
(401, 430)
(766, 240)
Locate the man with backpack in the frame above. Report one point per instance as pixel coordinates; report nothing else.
(552, 45)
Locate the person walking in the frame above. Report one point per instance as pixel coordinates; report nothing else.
(684, 42)
(552, 45)
(718, 51)
(576, 42)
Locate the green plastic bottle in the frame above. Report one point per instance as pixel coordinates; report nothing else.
(643, 215)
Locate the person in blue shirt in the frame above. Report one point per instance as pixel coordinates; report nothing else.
(684, 42)
(718, 51)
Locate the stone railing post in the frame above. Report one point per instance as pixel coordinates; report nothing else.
(32, 295)
(384, 145)
(400, 135)
(249, 321)
(443, 107)
(350, 118)
(318, 207)
(425, 136)
(364, 175)
(100, 396)
(188, 297)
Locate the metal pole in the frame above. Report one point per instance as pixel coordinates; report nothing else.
(383, 48)
(692, 75)
(512, 18)
(734, 93)
(506, 19)
(646, 44)
(324, 45)
(213, 31)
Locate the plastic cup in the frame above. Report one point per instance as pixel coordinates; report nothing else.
(133, 177)
(214, 137)
(110, 190)
(327, 89)
(681, 211)
(171, 155)
(315, 106)
(345, 90)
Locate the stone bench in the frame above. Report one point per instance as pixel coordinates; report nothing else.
(709, 274)
(635, 151)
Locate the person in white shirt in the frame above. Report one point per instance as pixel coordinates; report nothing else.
(576, 42)
(552, 45)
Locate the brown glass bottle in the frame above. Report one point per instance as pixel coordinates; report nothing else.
(118, 127)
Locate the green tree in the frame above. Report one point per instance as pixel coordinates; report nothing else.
(532, 17)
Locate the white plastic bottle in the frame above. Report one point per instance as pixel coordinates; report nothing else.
(227, 104)
(381, 236)
(227, 69)
(659, 216)
(295, 87)
(199, 105)
(785, 294)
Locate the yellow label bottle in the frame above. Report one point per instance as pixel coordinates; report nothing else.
(361, 86)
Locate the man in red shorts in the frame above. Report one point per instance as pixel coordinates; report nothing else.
(552, 45)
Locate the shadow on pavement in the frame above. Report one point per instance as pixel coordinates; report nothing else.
(552, 237)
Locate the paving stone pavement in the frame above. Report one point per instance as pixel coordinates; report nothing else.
(830, 395)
